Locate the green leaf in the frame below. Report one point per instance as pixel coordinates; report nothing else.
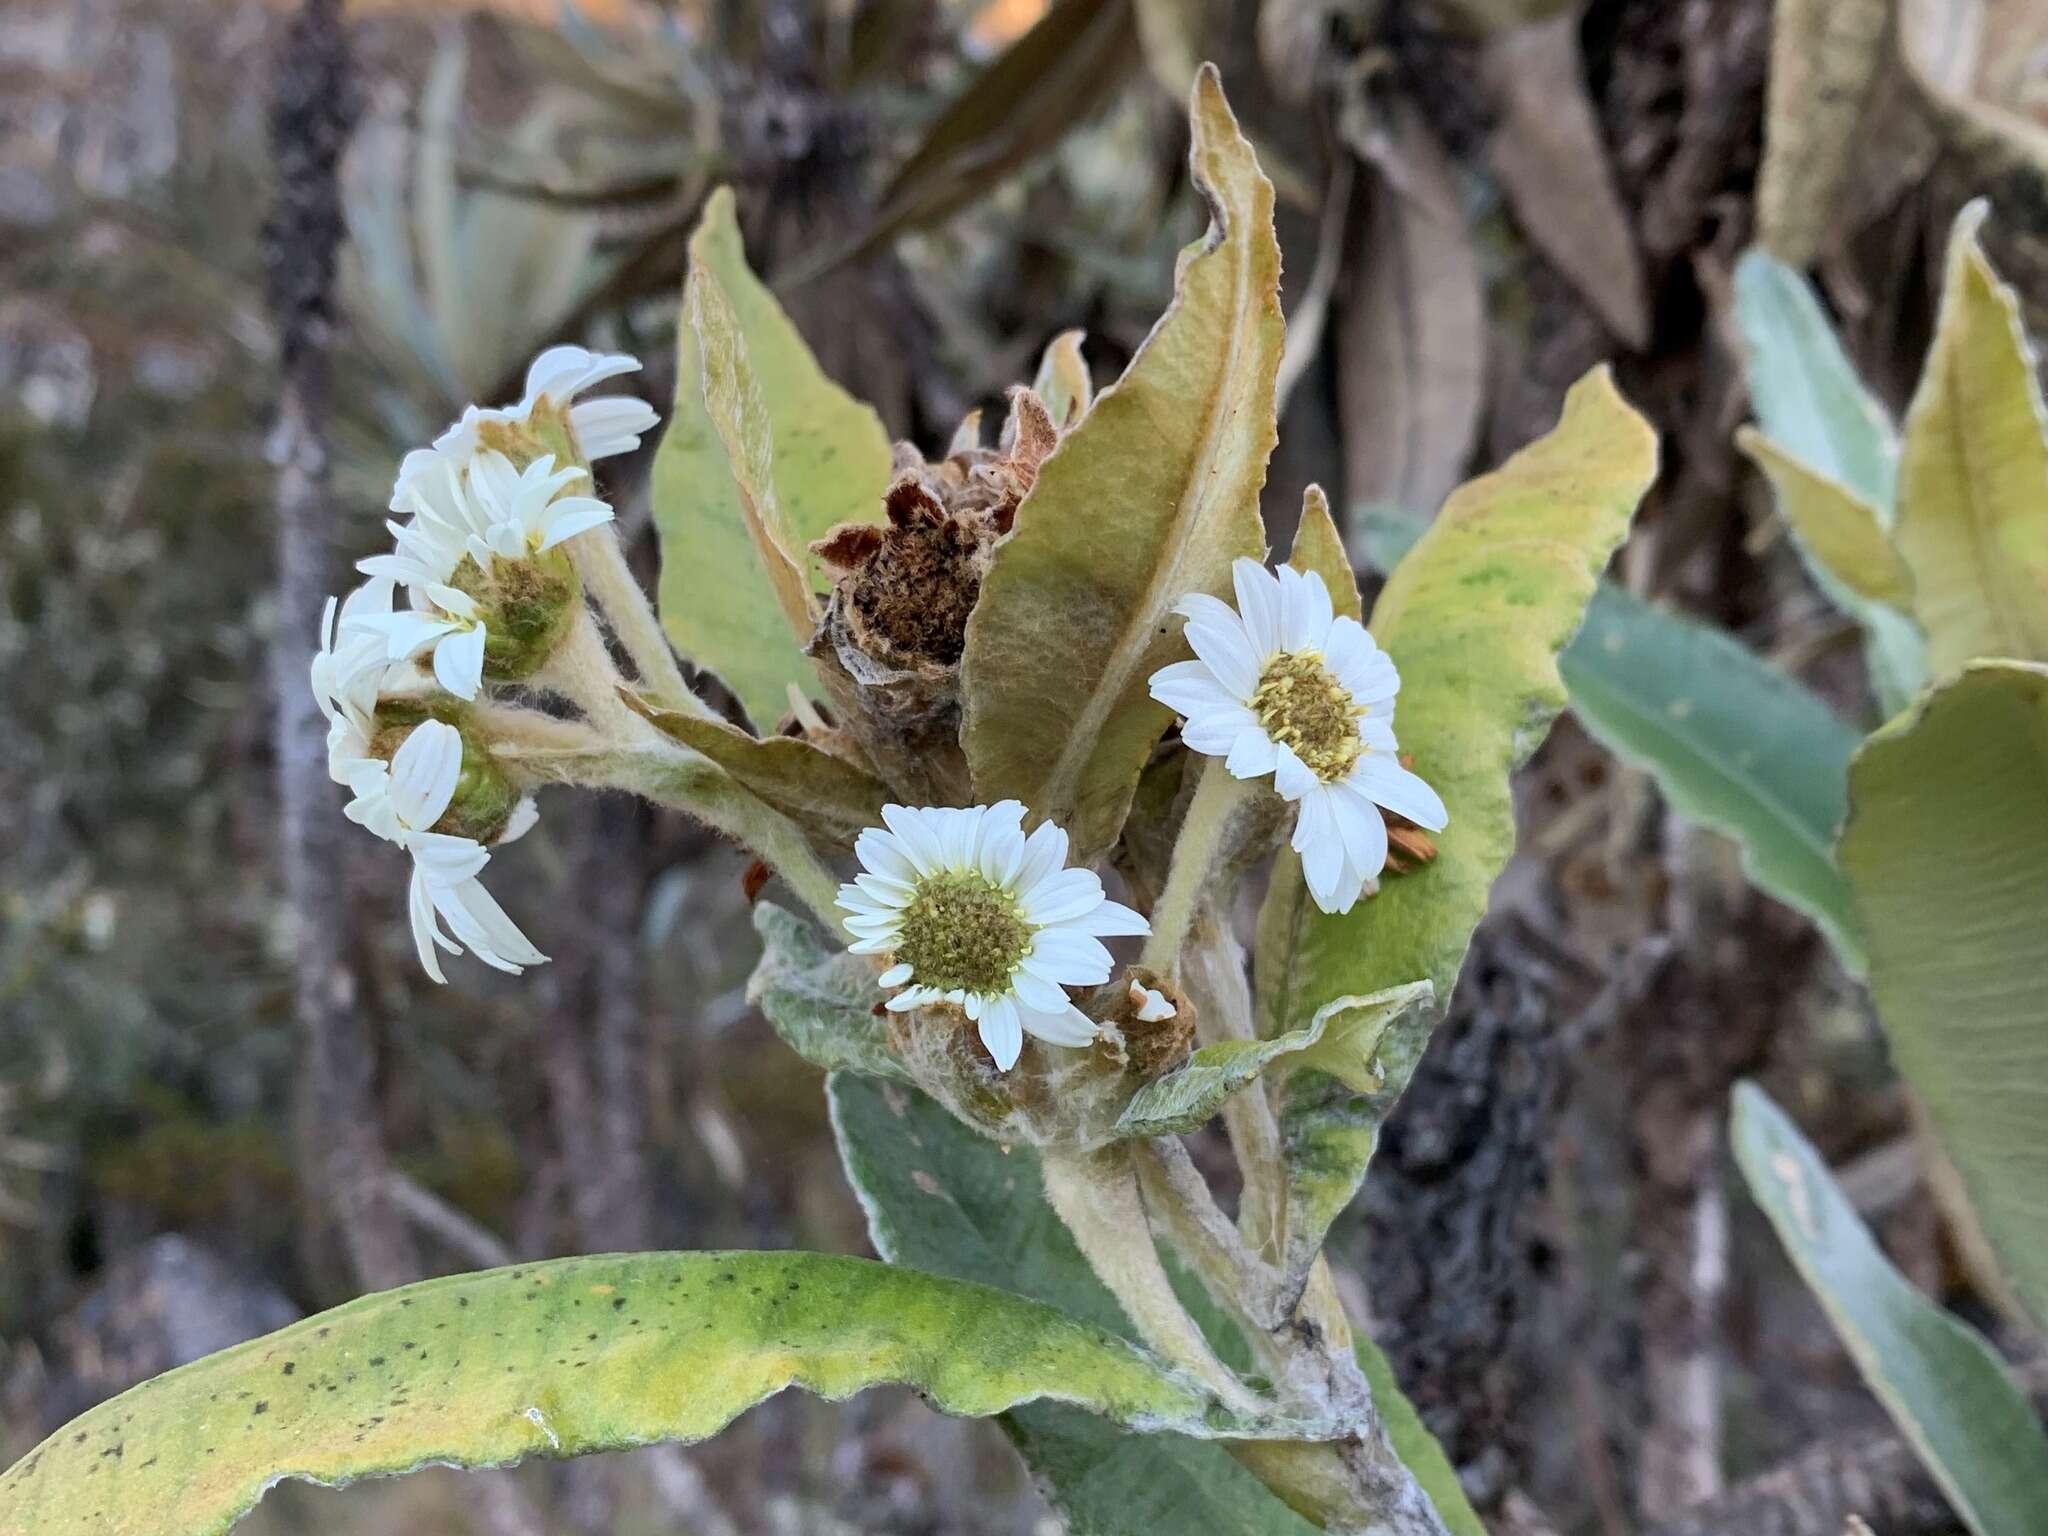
(1474, 618)
(1734, 742)
(1830, 443)
(1330, 1118)
(1973, 476)
(1075, 615)
(561, 1359)
(826, 462)
(823, 793)
(819, 998)
(1946, 849)
(1942, 1384)
(944, 1199)
(1340, 1039)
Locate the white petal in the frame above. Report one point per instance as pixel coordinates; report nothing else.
(1045, 854)
(478, 921)
(1291, 776)
(524, 815)
(1228, 651)
(919, 836)
(1002, 851)
(1035, 991)
(896, 975)
(426, 928)
(1363, 829)
(1067, 895)
(1306, 609)
(1323, 864)
(407, 634)
(888, 894)
(579, 519)
(1113, 919)
(424, 771)
(1190, 688)
(879, 851)
(612, 425)
(444, 859)
(1386, 782)
(1362, 667)
(1070, 1026)
(459, 662)
(1258, 603)
(1253, 754)
(1003, 1033)
(1068, 959)
(1217, 732)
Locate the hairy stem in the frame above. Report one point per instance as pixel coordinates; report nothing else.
(608, 580)
(1212, 973)
(1208, 833)
(1096, 1195)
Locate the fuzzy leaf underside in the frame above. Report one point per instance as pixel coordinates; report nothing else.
(1942, 1384)
(1946, 850)
(1973, 474)
(560, 1359)
(945, 1199)
(1075, 615)
(820, 999)
(830, 465)
(1474, 618)
(827, 796)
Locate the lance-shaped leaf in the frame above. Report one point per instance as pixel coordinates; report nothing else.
(830, 798)
(1149, 498)
(748, 476)
(1474, 618)
(1942, 1384)
(561, 1359)
(1063, 382)
(942, 1198)
(1828, 438)
(1341, 1040)
(820, 999)
(1946, 849)
(1839, 528)
(1318, 548)
(1973, 475)
(1734, 743)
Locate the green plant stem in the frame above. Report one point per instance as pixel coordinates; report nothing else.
(1206, 836)
(608, 580)
(1096, 1195)
(1212, 972)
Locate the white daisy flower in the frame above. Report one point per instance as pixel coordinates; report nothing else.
(348, 674)
(972, 912)
(493, 511)
(401, 803)
(608, 425)
(1282, 685)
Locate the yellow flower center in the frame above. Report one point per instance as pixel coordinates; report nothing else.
(962, 932)
(1303, 707)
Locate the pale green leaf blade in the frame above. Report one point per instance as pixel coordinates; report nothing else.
(1973, 476)
(1828, 438)
(1063, 382)
(560, 1359)
(1942, 1384)
(942, 1198)
(1946, 849)
(830, 798)
(1474, 618)
(1734, 742)
(820, 999)
(1808, 399)
(1076, 613)
(830, 466)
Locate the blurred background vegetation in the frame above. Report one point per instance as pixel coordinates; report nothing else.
(1479, 200)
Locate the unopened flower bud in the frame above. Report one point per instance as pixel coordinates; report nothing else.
(485, 798)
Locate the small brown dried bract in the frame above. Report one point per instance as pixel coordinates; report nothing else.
(755, 880)
(1152, 1047)
(1408, 846)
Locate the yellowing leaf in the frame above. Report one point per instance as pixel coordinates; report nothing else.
(825, 460)
(561, 1359)
(1318, 548)
(1840, 528)
(1149, 498)
(1474, 617)
(1973, 475)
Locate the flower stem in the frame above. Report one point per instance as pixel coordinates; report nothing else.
(609, 581)
(1206, 835)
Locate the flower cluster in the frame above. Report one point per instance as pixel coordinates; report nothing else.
(480, 550)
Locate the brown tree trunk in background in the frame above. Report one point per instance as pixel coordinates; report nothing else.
(343, 1163)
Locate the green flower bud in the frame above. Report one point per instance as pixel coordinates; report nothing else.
(485, 795)
(526, 607)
